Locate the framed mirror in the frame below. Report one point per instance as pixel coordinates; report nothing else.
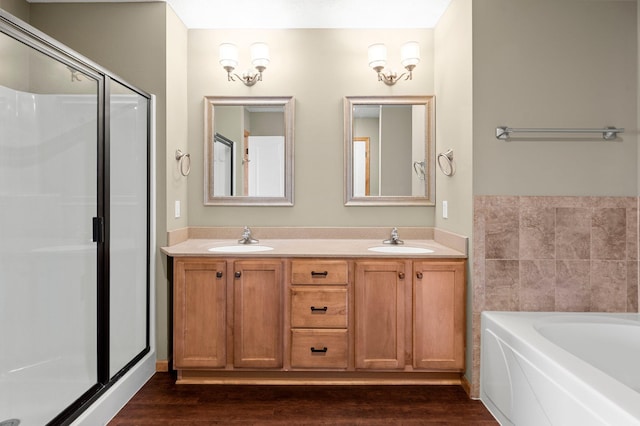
(248, 151)
(389, 150)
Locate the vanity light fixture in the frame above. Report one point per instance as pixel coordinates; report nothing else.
(409, 58)
(259, 59)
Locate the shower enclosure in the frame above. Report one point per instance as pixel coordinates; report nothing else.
(74, 228)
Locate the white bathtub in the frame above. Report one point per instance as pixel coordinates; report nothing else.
(561, 368)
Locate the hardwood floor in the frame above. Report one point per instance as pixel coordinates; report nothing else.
(162, 402)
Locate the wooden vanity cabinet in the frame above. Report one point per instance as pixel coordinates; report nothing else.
(434, 318)
(379, 290)
(199, 310)
(215, 310)
(379, 320)
(439, 314)
(257, 313)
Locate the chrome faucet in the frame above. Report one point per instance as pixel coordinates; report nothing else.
(246, 237)
(394, 238)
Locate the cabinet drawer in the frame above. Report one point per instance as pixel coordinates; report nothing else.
(319, 308)
(319, 272)
(319, 349)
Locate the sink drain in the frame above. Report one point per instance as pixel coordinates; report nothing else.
(10, 422)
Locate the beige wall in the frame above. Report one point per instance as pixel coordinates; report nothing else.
(18, 8)
(176, 184)
(17, 76)
(454, 129)
(176, 119)
(318, 68)
(554, 64)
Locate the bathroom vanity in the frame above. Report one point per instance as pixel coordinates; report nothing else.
(317, 311)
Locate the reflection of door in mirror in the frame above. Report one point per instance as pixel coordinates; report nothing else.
(223, 170)
(266, 166)
(366, 125)
(361, 167)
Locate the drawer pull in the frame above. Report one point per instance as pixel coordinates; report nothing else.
(317, 351)
(219, 274)
(419, 275)
(322, 274)
(314, 309)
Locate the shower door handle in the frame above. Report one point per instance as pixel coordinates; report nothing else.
(98, 229)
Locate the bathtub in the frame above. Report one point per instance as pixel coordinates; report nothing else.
(540, 368)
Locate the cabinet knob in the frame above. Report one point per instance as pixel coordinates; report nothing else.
(419, 275)
(238, 274)
(401, 275)
(219, 274)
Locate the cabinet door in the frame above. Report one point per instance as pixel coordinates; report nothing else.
(438, 306)
(379, 314)
(199, 298)
(257, 310)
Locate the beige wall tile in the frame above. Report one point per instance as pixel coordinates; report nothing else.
(573, 291)
(608, 286)
(537, 232)
(573, 233)
(501, 285)
(553, 253)
(608, 234)
(632, 234)
(632, 286)
(502, 232)
(537, 285)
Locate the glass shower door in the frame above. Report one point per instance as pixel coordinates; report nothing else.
(128, 218)
(48, 260)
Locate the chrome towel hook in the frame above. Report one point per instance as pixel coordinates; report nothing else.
(182, 158)
(445, 162)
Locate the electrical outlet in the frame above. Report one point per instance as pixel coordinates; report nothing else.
(445, 210)
(177, 209)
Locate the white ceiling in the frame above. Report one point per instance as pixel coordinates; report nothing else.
(301, 13)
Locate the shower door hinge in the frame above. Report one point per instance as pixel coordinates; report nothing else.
(98, 229)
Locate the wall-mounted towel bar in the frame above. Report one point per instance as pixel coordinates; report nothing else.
(608, 133)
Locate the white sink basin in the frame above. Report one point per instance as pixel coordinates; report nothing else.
(401, 249)
(248, 248)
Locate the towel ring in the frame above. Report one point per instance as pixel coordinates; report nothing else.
(182, 158)
(445, 162)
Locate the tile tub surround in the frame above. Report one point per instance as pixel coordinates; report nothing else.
(561, 254)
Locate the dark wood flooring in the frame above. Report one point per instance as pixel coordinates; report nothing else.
(162, 402)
